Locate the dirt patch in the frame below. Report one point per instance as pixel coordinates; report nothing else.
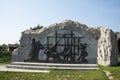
(108, 74)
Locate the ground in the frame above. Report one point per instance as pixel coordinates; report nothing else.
(62, 74)
(65, 74)
(55, 75)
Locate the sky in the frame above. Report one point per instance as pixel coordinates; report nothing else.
(19, 15)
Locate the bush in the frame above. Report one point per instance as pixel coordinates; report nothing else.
(5, 57)
(4, 47)
(37, 27)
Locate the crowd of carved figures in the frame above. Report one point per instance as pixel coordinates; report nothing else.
(69, 53)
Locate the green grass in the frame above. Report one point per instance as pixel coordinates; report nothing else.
(115, 70)
(64, 74)
(5, 57)
(119, 58)
(55, 75)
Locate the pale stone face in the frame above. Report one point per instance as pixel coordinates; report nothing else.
(99, 42)
(91, 48)
(107, 48)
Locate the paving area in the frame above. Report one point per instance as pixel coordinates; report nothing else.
(3, 67)
(48, 66)
(43, 67)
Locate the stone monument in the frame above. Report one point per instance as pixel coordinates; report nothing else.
(68, 42)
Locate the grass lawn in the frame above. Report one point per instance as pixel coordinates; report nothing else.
(64, 74)
(58, 74)
(55, 75)
(114, 70)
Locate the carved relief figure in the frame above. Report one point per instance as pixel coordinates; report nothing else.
(83, 53)
(34, 51)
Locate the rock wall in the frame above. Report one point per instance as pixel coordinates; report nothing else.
(64, 27)
(107, 48)
(101, 49)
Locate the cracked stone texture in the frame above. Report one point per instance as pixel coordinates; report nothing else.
(102, 46)
(107, 48)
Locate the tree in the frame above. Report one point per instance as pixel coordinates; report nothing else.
(4, 47)
(37, 27)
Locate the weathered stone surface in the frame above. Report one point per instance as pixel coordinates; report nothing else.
(94, 32)
(118, 41)
(118, 35)
(107, 48)
(101, 48)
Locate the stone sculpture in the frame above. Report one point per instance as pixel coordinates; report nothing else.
(102, 49)
(83, 53)
(34, 51)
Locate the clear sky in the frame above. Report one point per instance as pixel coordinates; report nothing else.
(19, 15)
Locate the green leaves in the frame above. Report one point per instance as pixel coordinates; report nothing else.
(37, 27)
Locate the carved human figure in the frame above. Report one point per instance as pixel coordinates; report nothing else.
(51, 51)
(66, 53)
(31, 55)
(34, 51)
(38, 47)
(83, 53)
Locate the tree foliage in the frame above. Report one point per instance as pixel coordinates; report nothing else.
(3, 47)
(5, 55)
(36, 27)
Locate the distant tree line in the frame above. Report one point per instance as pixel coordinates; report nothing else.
(3, 47)
(5, 55)
(36, 27)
